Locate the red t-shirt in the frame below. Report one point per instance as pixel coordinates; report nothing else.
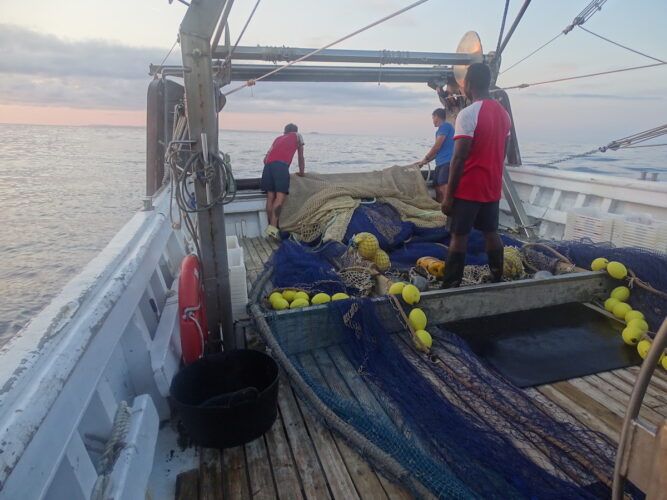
(488, 124)
(283, 148)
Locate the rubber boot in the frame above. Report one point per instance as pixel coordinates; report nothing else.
(496, 264)
(456, 262)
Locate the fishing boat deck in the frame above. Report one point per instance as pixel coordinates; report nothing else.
(300, 457)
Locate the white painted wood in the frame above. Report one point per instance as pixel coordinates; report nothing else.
(136, 346)
(165, 351)
(76, 475)
(129, 478)
(44, 403)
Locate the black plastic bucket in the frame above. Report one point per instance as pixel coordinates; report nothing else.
(227, 399)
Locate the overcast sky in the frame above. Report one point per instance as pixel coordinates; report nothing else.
(85, 62)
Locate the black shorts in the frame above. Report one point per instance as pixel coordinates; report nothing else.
(468, 214)
(275, 177)
(441, 174)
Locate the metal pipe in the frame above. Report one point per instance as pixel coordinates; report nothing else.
(222, 24)
(636, 398)
(244, 72)
(516, 22)
(274, 54)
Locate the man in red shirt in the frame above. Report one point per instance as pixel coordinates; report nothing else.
(275, 176)
(476, 176)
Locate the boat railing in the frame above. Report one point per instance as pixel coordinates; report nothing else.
(65, 376)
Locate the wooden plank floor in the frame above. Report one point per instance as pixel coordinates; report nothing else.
(300, 457)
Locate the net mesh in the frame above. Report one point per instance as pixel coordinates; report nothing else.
(457, 427)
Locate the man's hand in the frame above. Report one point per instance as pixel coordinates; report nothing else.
(446, 205)
(301, 173)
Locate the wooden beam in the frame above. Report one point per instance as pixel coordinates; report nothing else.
(316, 327)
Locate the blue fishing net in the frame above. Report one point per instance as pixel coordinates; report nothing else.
(382, 220)
(299, 266)
(458, 428)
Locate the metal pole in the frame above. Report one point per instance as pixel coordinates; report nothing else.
(195, 34)
(222, 25)
(274, 54)
(636, 398)
(516, 22)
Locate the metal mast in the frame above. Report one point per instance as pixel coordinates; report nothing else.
(196, 30)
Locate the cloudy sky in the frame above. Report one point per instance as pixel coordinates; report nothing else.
(85, 62)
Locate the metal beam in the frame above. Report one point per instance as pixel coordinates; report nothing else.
(516, 22)
(317, 327)
(243, 72)
(195, 34)
(274, 54)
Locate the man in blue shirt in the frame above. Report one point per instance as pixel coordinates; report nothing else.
(441, 151)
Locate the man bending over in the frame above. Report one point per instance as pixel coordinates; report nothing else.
(476, 176)
(275, 176)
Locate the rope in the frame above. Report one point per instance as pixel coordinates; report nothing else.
(581, 18)
(116, 442)
(622, 46)
(556, 80)
(532, 53)
(168, 54)
(252, 82)
(245, 26)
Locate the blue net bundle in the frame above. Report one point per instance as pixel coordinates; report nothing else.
(460, 429)
(295, 265)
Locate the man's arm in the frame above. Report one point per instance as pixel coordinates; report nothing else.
(302, 160)
(461, 151)
(439, 141)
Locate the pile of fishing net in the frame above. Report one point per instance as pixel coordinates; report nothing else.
(443, 423)
(321, 206)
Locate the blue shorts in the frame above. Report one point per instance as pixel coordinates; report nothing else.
(441, 174)
(275, 177)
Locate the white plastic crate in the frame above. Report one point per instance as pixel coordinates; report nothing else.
(640, 230)
(589, 224)
(237, 282)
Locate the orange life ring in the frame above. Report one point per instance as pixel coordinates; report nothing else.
(191, 310)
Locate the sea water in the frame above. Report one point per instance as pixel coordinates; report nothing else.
(65, 191)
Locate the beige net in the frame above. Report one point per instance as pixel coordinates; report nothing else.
(321, 205)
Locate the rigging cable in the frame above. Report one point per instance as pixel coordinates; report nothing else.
(502, 26)
(252, 82)
(556, 80)
(168, 54)
(245, 26)
(622, 46)
(629, 142)
(579, 20)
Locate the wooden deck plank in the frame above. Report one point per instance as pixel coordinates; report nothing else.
(210, 474)
(651, 399)
(615, 388)
(234, 477)
(266, 250)
(365, 480)
(656, 382)
(187, 485)
(259, 470)
(252, 259)
(585, 409)
(656, 398)
(305, 457)
(359, 469)
(261, 251)
(284, 470)
(338, 477)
